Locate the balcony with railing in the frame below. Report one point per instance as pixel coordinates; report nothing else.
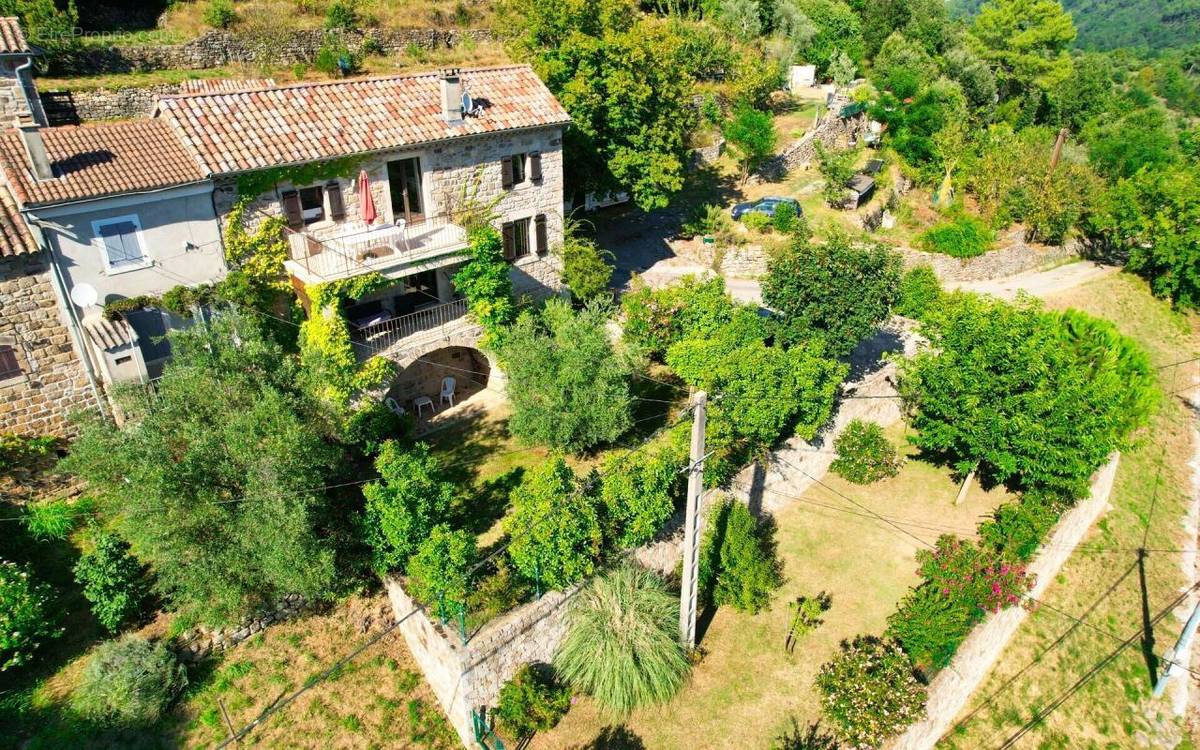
(377, 335)
(345, 249)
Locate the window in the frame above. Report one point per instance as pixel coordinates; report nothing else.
(9, 366)
(518, 168)
(521, 168)
(312, 204)
(516, 239)
(120, 241)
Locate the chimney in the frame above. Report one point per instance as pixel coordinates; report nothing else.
(452, 92)
(35, 149)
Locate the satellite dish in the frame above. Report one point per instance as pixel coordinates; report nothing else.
(468, 104)
(84, 295)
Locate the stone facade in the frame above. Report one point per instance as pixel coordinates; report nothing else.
(18, 96)
(71, 107)
(52, 382)
(215, 49)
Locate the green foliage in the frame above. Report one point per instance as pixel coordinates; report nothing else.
(836, 167)
(220, 14)
(622, 644)
(963, 236)
(129, 683)
(972, 576)
(215, 494)
(709, 219)
(253, 184)
(1026, 41)
(587, 268)
(837, 291)
(621, 78)
(485, 282)
(920, 291)
(497, 593)
(332, 57)
(22, 452)
(756, 222)
(930, 626)
(869, 691)
(639, 491)
(341, 15)
(404, 506)
(1036, 399)
(371, 423)
(1155, 217)
(838, 32)
(440, 571)
(928, 130)
(752, 134)
(1144, 138)
(864, 454)
(532, 701)
(46, 24)
(755, 78)
(112, 580)
(259, 254)
(785, 219)
(738, 564)
(1017, 529)
(327, 356)
(555, 527)
(55, 519)
(689, 308)
(568, 387)
(903, 66)
(26, 620)
(806, 616)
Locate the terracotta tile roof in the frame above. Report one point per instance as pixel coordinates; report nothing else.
(15, 237)
(236, 132)
(12, 39)
(92, 161)
(195, 86)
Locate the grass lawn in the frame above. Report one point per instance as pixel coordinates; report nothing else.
(748, 690)
(792, 124)
(1114, 709)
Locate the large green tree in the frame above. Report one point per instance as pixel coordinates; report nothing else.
(214, 478)
(838, 32)
(1026, 41)
(1155, 217)
(555, 526)
(619, 76)
(403, 507)
(1034, 399)
(835, 290)
(568, 386)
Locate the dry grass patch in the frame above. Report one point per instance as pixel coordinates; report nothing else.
(1114, 709)
(186, 19)
(748, 689)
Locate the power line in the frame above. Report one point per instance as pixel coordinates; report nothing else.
(1096, 669)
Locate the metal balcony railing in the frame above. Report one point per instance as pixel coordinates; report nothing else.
(352, 248)
(379, 336)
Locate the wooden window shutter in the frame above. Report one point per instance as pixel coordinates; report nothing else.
(535, 166)
(508, 232)
(292, 213)
(539, 223)
(337, 207)
(506, 172)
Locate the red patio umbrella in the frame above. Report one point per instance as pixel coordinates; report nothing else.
(366, 204)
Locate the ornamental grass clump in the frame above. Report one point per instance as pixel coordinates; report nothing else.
(870, 691)
(622, 645)
(129, 682)
(864, 454)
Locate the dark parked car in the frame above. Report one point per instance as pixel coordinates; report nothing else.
(763, 206)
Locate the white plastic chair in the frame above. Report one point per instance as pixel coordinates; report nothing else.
(447, 393)
(402, 240)
(396, 408)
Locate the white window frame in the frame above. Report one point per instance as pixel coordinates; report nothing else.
(98, 239)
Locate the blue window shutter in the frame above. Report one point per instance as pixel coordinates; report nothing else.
(120, 240)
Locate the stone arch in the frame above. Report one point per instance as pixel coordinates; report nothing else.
(421, 374)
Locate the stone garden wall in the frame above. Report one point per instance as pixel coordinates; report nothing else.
(954, 685)
(215, 49)
(1015, 257)
(197, 644)
(830, 131)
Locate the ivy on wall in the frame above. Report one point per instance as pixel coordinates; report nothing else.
(260, 253)
(485, 282)
(326, 349)
(254, 184)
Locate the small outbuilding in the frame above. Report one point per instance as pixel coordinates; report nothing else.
(860, 188)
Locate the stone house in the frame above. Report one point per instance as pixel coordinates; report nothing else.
(373, 175)
(370, 175)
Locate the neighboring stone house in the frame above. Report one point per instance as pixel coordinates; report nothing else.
(42, 379)
(124, 211)
(19, 101)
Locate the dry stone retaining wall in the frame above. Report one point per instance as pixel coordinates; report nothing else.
(1016, 257)
(830, 131)
(954, 685)
(215, 49)
(197, 644)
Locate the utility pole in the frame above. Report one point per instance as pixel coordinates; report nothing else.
(1058, 147)
(1181, 647)
(691, 525)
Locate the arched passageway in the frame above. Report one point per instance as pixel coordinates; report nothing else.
(424, 376)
